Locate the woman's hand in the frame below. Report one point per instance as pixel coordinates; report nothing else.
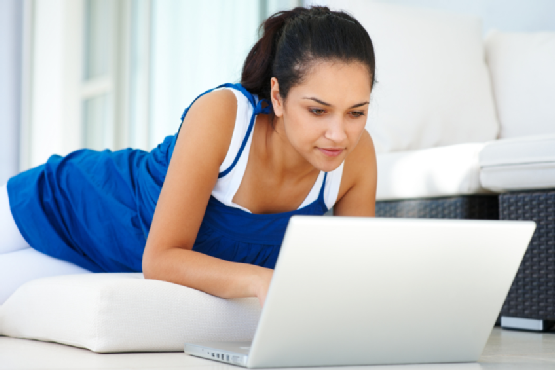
(262, 284)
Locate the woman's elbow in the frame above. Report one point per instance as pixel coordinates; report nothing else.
(150, 262)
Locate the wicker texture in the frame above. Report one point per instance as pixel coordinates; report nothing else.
(477, 207)
(532, 294)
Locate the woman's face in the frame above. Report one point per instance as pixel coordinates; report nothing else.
(324, 117)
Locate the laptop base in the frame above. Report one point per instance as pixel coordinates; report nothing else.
(227, 352)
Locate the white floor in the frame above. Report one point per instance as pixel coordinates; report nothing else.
(504, 350)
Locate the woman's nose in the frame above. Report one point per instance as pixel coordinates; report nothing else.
(336, 131)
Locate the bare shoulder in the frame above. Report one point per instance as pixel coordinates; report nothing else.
(210, 119)
(218, 100)
(364, 149)
(215, 109)
(360, 164)
(357, 192)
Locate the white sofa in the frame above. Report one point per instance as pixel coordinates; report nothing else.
(444, 96)
(457, 119)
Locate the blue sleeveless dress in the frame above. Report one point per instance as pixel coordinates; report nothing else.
(95, 208)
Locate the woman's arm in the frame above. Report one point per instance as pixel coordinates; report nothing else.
(192, 174)
(359, 182)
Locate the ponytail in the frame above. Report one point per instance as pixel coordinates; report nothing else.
(257, 69)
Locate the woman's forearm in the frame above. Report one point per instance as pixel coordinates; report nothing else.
(209, 274)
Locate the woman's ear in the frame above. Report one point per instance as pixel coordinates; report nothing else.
(277, 102)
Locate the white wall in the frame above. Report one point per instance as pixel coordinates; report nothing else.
(11, 28)
(504, 15)
(274, 6)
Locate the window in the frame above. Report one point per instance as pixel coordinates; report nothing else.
(110, 74)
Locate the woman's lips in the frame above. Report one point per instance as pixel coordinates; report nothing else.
(330, 152)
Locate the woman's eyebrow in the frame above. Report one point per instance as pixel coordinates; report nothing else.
(318, 101)
(359, 105)
(329, 105)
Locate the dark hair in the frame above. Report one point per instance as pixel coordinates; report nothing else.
(293, 40)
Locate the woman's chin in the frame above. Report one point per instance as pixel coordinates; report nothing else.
(329, 165)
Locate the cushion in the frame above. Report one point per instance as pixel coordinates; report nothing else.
(523, 78)
(124, 313)
(519, 163)
(436, 172)
(433, 84)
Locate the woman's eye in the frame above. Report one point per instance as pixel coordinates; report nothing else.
(357, 114)
(317, 111)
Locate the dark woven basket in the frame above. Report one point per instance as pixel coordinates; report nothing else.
(476, 207)
(532, 294)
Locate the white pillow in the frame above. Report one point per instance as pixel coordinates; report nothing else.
(124, 313)
(433, 85)
(523, 77)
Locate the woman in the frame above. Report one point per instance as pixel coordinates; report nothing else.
(288, 140)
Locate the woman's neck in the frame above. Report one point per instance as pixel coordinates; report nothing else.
(277, 152)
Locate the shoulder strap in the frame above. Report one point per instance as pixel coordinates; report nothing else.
(321, 195)
(257, 110)
(237, 86)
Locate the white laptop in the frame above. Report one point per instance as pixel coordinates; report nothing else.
(368, 291)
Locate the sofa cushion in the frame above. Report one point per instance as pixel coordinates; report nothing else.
(523, 78)
(124, 313)
(436, 172)
(519, 163)
(433, 84)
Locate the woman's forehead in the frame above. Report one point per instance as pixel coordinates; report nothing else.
(335, 82)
